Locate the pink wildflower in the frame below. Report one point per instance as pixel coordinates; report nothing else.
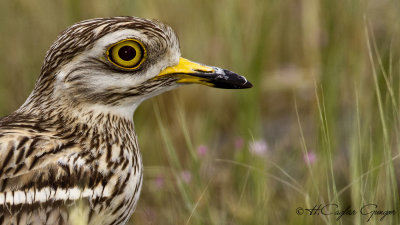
(186, 176)
(202, 150)
(259, 147)
(239, 143)
(310, 158)
(159, 182)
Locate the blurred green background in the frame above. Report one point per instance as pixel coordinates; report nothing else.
(320, 126)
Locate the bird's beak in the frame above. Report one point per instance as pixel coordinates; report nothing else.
(190, 72)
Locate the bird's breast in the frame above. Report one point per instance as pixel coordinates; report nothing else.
(87, 174)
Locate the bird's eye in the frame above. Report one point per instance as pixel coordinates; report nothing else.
(127, 54)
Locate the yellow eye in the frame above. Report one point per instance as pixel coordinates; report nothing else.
(127, 54)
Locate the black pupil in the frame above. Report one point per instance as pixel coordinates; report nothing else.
(127, 53)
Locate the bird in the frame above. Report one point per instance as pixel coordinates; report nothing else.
(70, 152)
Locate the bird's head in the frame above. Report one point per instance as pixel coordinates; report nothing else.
(116, 63)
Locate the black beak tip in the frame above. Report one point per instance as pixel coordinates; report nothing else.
(237, 81)
(247, 85)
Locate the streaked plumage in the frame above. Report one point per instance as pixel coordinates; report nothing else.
(70, 151)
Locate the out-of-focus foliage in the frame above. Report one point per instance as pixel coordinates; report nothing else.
(321, 124)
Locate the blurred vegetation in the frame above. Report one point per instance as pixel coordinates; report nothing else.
(320, 126)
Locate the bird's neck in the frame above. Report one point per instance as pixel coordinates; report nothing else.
(98, 117)
(93, 130)
(82, 112)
